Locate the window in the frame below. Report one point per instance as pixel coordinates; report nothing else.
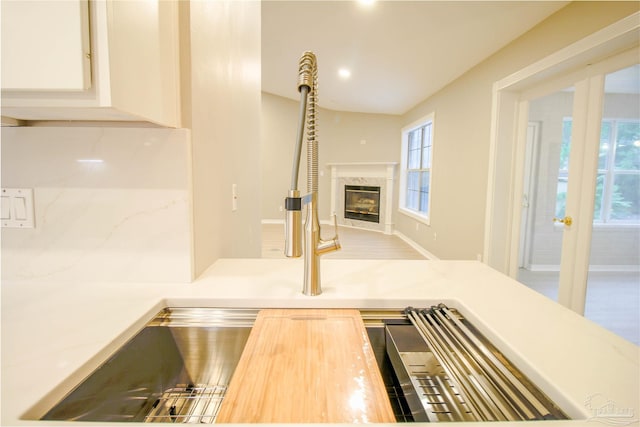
(618, 182)
(415, 179)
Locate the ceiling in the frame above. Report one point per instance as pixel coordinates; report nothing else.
(399, 52)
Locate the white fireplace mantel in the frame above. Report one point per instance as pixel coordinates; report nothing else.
(380, 174)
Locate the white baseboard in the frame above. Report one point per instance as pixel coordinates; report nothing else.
(594, 268)
(542, 267)
(616, 268)
(425, 253)
(272, 221)
(356, 227)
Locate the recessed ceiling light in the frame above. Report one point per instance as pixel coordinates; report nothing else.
(344, 73)
(366, 3)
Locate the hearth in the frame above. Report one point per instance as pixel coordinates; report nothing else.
(362, 203)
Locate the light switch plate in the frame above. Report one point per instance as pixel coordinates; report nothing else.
(17, 208)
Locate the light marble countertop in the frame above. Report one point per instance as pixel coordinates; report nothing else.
(54, 333)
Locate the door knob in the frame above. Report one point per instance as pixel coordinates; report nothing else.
(567, 220)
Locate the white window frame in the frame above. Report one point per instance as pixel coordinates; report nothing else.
(417, 215)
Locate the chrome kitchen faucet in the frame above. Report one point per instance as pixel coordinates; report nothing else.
(314, 246)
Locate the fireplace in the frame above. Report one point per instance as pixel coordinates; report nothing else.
(381, 175)
(362, 203)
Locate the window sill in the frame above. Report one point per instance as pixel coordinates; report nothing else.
(412, 214)
(618, 225)
(603, 226)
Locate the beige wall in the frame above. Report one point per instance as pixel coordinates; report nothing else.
(461, 139)
(221, 83)
(339, 134)
(462, 128)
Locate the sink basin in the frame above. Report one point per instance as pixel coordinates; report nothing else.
(178, 367)
(180, 354)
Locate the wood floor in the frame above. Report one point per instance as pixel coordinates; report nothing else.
(613, 298)
(356, 244)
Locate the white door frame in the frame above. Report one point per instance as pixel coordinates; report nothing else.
(509, 117)
(576, 239)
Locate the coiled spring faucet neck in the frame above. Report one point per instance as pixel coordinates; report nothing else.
(314, 246)
(307, 71)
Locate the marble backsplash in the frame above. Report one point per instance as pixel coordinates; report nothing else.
(111, 204)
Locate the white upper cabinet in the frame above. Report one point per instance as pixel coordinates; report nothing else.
(63, 50)
(91, 60)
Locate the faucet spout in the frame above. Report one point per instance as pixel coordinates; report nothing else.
(326, 246)
(314, 245)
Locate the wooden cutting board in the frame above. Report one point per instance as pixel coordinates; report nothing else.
(307, 365)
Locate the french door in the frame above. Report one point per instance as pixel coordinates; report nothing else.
(579, 214)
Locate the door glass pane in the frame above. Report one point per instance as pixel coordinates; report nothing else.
(605, 142)
(563, 170)
(598, 205)
(613, 284)
(545, 192)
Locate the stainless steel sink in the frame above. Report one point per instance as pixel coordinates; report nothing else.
(183, 359)
(177, 368)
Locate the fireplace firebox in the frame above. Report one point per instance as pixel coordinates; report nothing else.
(362, 203)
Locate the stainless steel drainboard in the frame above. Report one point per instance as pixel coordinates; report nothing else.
(439, 395)
(450, 372)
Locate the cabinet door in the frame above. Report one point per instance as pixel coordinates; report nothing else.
(45, 45)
